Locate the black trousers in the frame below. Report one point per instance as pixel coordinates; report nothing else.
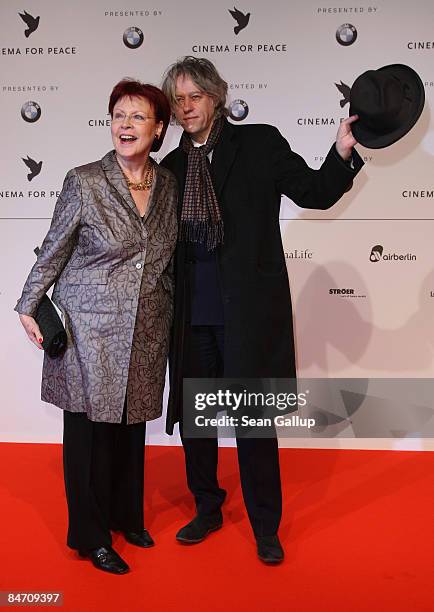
(103, 468)
(258, 458)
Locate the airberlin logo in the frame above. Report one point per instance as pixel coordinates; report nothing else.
(346, 34)
(378, 255)
(33, 166)
(31, 22)
(30, 111)
(238, 110)
(133, 38)
(241, 19)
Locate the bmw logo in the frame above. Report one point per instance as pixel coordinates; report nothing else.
(30, 111)
(133, 38)
(238, 110)
(346, 34)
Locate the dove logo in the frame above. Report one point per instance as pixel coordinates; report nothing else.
(31, 22)
(346, 34)
(30, 111)
(133, 38)
(238, 110)
(345, 91)
(241, 19)
(33, 166)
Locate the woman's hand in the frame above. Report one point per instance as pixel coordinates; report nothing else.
(32, 330)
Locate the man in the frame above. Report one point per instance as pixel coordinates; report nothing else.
(232, 304)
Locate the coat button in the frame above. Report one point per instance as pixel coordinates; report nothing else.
(138, 266)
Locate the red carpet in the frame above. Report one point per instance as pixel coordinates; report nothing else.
(357, 528)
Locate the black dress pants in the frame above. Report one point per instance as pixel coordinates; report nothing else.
(103, 468)
(258, 458)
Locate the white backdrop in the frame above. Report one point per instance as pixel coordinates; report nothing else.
(284, 65)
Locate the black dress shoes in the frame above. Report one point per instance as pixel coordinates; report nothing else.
(270, 549)
(196, 530)
(141, 538)
(106, 559)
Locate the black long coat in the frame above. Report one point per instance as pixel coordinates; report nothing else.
(252, 166)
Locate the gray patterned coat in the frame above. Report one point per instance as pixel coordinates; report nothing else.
(114, 282)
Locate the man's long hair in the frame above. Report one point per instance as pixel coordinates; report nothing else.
(204, 74)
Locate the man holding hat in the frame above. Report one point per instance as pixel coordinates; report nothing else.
(232, 305)
(388, 102)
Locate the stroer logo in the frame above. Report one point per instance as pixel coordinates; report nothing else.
(377, 255)
(345, 293)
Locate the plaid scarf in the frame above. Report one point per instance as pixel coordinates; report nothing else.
(201, 219)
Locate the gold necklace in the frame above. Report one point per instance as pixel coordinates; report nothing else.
(146, 184)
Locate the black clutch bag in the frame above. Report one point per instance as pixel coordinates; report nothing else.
(52, 329)
(51, 326)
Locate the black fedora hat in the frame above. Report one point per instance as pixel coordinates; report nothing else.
(388, 101)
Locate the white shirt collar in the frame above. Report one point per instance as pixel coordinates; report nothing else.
(197, 144)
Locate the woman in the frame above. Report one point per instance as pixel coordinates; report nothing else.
(109, 250)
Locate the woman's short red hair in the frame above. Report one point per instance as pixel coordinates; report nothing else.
(156, 98)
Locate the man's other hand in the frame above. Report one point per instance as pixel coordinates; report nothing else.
(345, 140)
